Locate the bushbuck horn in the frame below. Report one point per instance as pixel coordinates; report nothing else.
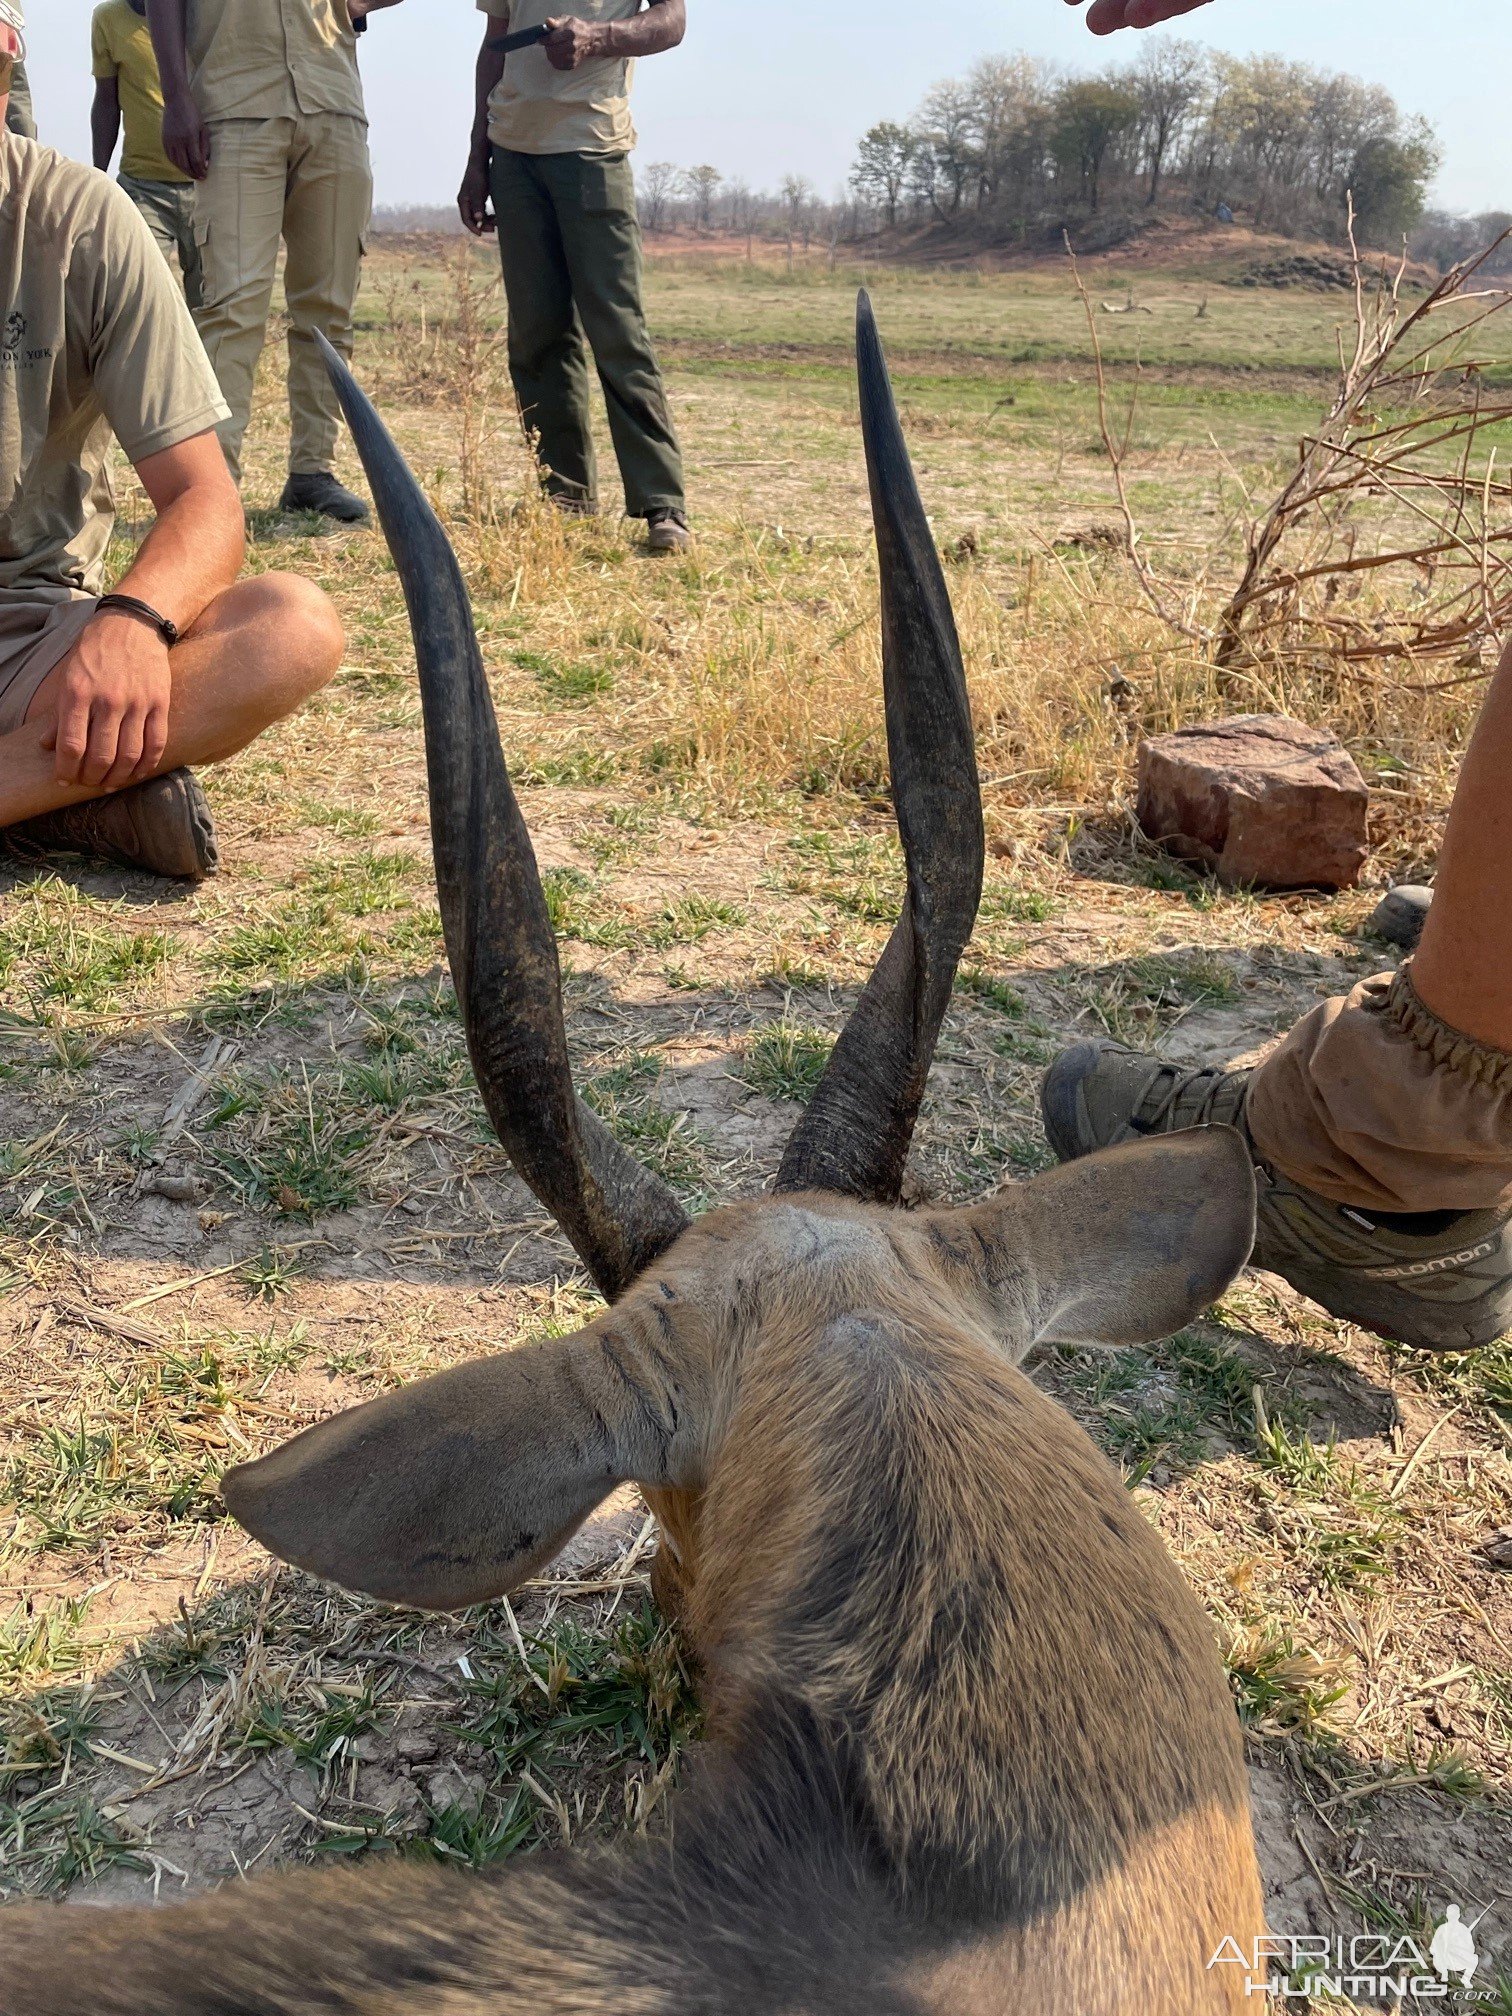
(499, 938)
(855, 1135)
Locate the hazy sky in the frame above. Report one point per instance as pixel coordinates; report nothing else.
(766, 87)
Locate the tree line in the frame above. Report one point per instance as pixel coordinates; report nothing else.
(1280, 144)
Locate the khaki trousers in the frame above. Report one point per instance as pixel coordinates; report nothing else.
(1371, 1100)
(168, 209)
(309, 182)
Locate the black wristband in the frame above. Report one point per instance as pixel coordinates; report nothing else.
(128, 605)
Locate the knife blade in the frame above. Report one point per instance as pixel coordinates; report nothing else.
(525, 38)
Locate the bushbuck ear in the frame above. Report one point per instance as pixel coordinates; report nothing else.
(458, 1488)
(1128, 1245)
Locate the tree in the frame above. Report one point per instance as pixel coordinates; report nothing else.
(702, 184)
(797, 197)
(1089, 116)
(882, 163)
(742, 207)
(1389, 183)
(1344, 116)
(1267, 105)
(658, 186)
(945, 156)
(1010, 116)
(1169, 82)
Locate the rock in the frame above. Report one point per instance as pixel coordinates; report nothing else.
(1400, 915)
(1263, 801)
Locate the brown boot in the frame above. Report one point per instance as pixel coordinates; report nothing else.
(163, 826)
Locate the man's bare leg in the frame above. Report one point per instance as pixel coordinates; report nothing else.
(1463, 968)
(258, 652)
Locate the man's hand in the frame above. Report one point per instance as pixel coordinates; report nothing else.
(111, 726)
(186, 139)
(472, 200)
(571, 42)
(1106, 16)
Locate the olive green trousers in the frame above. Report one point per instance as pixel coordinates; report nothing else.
(570, 244)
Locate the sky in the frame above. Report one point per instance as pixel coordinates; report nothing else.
(766, 88)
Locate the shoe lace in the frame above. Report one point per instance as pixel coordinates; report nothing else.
(1166, 1087)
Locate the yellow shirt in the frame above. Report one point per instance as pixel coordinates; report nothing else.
(536, 109)
(94, 339)
(272, 59)
(123, 50)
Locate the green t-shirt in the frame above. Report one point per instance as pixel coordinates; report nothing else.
(94, 339)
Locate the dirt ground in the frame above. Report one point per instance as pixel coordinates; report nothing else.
(245, 1179)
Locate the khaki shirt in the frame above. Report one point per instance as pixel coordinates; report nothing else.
(535, 109)
(272, 59)
(94, 338)
(122, 48)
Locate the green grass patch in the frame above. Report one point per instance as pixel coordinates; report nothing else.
(786, 1061)
(565, 682)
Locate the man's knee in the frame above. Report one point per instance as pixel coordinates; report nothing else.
(298, 631)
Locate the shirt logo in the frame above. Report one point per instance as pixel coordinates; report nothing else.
(15, 331)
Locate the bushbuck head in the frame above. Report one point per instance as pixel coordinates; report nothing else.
(970, 1745)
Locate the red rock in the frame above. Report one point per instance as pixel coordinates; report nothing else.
(1263, 801)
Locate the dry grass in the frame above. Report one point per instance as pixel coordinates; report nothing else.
(245, 1177)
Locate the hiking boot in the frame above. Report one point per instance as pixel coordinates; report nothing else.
(1439, 1280)
(162, 826)
(322, 493)
(667, 531)
(1400, 915)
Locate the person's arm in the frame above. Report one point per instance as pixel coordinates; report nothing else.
(105, 120)
(112, 721)
(1105, 17)
(359, 10)
(472, 197)
(185, 139)
(660, 25)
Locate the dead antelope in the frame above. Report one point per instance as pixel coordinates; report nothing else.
(970, 1747)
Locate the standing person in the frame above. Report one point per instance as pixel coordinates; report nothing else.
(551, 145)
(128, 89)
(107, 699)
(263, 108)
(18, 113)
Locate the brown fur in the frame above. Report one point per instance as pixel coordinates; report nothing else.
(971, 1749)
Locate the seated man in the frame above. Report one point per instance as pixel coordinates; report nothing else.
(1382, 1124)
(105, 699)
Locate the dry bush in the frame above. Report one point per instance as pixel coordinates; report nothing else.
(1397, 490)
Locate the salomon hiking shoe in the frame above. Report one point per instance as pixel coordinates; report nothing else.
(1440, 1280)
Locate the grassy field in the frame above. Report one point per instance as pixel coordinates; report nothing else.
(245, 1177)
